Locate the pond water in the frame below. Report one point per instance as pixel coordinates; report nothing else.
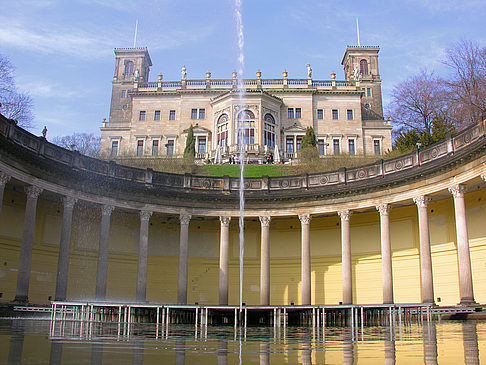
(29, 341)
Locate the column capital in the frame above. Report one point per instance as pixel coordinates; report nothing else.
(107, 209)
(33, 191)
(345, 215)
(265, 220)
(225, 221)
(145, 215)
(421, 201)
(457, 190)
(383, 208)
(4, 178)
(69, 201)
(185, 218)
(305, 218)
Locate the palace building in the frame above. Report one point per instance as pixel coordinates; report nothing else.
(151, 119)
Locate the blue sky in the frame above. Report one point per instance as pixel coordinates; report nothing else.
(63, 50)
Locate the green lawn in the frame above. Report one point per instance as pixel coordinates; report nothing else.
(250, 170)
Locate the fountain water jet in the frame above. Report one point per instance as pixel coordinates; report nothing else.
(241, 143)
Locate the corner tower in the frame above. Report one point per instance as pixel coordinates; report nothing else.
(361, 63)
(131, 65)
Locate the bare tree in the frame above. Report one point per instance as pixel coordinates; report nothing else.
(467, 86)
(417, 102)
(13, 105)
(84, 143)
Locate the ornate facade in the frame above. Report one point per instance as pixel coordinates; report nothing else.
(151, 119)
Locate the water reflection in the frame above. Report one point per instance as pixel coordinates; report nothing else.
(109, 343)
(470, 338)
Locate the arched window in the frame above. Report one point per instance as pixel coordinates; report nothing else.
(223, 130)
(269, 130)
(246, 127)
(128, 68)
(363, 67)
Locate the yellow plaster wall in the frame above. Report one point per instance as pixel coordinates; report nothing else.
(204, 255)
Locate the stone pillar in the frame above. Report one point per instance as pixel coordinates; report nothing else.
(464, 259)
(23, 275)
(223, 260)
(141, 295)
(64, 245)
(386, 254)
(265, 261)
(183, 257)
(4, 179)
(346, 257)
(102, 270)
(425, 255)
(306, 259)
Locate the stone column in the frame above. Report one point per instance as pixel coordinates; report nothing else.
(306, 259)
(4, 179)
(23, 275)
(183, 257)
(425, 255)
(464, 259)
(223, 260)
(265, 261)
(102, 270)
(64, 245)
(386, 254)
(141, 294)
(346, 257)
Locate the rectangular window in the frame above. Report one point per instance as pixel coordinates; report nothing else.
(321, 147)
(155, 147)
(289, 145)
(157, 115)
(201, 145)
(170, 147)
(142, 115)
(368, 91)
(351, 148)
(290, 113)
(114, 148)
(320, 113)
(193, 113)
(298, 143)
(171, 114)
(140, 147)
(202, 113)
(335, 146)
(335, 114)
(349, 113)
(377, 147)
(298, 113)
(124, 94)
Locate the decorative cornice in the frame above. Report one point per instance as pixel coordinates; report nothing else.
(225, 221)
(145, 215)
(107, 209)
(305, 218)
(345, 215)
(457, 190)
(421, 201)
(185, 219)
(383, 208)
(33, 191)
(265, 220)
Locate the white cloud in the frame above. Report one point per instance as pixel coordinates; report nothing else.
(55, 40)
